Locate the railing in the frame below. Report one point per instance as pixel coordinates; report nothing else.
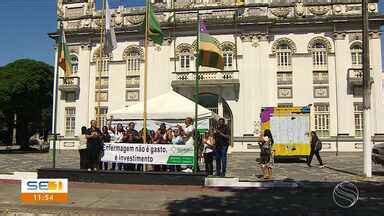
(320, 67)
(69, 83)
(207, 75)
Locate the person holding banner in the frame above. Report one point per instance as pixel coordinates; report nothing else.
(187, 133)
(131, 136)
(117, 137)
(106, 138)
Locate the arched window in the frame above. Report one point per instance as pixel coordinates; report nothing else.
(185, 60)
(133, 56)
(133, 61)
(74, 63)
(228, 58)
(103, 63)
(319, 55)
(319, 47)
(357, 55)
(284, 56)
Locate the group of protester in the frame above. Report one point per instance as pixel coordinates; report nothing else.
(92, 141)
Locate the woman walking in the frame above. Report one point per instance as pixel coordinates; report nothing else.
(315, 149)
(266, 143)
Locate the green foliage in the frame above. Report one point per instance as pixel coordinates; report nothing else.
(26, 89)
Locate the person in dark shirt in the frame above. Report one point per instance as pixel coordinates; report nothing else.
(94, 146)
(106, 138)
(131, 136)
(222, 134)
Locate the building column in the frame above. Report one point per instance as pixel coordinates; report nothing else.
(343, 101)
(265, 77)
(377, 105)
(82, 108)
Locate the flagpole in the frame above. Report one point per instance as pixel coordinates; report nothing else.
(100, 66)
(145, 71)
(236, 31)
(56, 92)
(195, 158)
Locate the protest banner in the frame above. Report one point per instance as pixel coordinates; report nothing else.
(148, 153)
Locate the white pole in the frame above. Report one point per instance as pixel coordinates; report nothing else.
(367, 93)
(367, 144)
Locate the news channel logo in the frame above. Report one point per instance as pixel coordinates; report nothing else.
(44, 190)
(345, 194)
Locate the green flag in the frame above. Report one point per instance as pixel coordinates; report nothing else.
(154, 30)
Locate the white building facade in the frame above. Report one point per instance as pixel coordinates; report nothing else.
(282, 53)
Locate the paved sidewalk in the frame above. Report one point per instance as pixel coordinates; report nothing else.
(345, 166)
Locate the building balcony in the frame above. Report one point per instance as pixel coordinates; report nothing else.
(355, 76)
(69, 84)
(209, 81)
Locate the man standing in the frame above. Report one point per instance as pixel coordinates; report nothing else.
(131, 136)
(222, 142)
(94, 146)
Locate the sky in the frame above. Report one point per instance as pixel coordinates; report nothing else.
(25, 24)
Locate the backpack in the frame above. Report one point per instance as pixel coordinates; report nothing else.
(319, 145)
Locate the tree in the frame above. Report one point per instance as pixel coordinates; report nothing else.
(26, 90)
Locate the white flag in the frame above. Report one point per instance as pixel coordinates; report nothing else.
(110, 37)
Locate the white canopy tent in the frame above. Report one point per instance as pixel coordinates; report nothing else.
(169, 108)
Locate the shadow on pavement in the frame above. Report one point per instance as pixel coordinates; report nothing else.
(281, 201)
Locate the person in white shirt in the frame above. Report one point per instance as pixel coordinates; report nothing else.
(118, 136)
(208, 151)
(83, 148)
(187, 133)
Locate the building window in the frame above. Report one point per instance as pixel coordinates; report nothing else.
(228, 59)
(70, 96)
(357, 55)
(103, 83)
(74, 63)
(102, 65)
(284, 78)
(133, 62)
(70, 119)
(284, 57)
(101, 96)
(322, 119)
(358, 112)
(185, 60)
(133, 82)
(102, 118)
(319, 55)
(320, 77)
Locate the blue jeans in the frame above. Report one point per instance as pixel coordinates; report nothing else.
(221, 160)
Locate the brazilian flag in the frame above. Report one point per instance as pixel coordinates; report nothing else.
(154, 30)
